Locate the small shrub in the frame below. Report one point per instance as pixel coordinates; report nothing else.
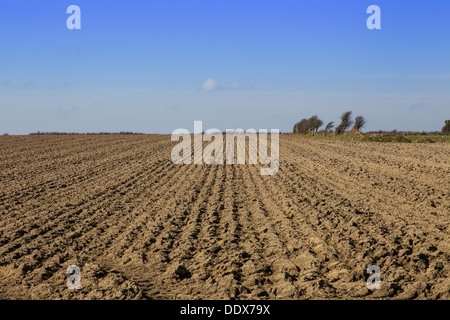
(387, 137)
(425, 140)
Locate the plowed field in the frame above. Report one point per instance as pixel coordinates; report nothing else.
(141, 227)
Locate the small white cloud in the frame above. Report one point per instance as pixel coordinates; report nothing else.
(209, 85)
(212, 85)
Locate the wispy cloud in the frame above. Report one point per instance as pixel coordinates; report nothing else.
(417, 106)
(68, 110)
(438, 76)
(212, 85)
(19, 83)
(175, 107)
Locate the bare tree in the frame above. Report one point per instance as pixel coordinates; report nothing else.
(329, 126)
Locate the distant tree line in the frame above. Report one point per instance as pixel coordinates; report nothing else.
(313, 124)
(78, 133)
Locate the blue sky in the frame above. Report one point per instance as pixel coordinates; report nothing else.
(154, 66)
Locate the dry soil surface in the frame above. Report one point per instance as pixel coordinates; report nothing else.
(141, 227)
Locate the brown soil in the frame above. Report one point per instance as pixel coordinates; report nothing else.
(141, 227)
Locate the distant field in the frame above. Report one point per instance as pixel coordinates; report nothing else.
(384, 137)
(140, 227)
